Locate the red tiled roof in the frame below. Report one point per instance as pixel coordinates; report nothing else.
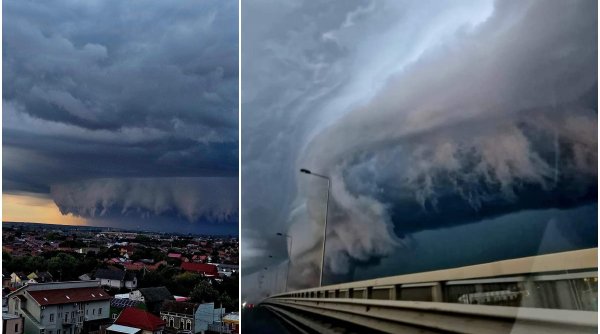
(134, 317)
(207, 269)
(134, 266)
(65, 296)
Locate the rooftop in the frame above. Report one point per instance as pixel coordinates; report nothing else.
(123, 329)
(8, 316)
(66, 296)
(133, 317)
(233, 317)
(179, 307)
(207, 269)
(156, 294)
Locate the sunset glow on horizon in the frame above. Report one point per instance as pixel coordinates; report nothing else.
(35, 209)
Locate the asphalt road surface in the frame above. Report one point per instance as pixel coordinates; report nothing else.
(259, 320)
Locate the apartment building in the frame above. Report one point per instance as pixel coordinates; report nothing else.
(60, 307)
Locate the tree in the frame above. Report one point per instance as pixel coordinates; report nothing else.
(181, 284)
(204, 293)
(63, 266)
(227, 302)
(33, 263)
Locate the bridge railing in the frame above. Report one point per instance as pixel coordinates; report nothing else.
(553, 293)
(567, 280)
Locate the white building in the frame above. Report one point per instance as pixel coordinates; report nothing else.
(116, 278)
(60, 307)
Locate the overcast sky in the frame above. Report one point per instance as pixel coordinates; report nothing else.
(477, 116)
(123, 112)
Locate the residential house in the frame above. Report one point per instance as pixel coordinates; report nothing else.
(226, 269)
(12, 324)
(133, 321)
(127, 250)
(60, 307)
(139, 266)
(232, 322)
(179, 315)
(116, 278)
(152, 297)
(40, 277)
(199, 258)
(87, 250)
(86, 277)
(204, 269)
(18, 279)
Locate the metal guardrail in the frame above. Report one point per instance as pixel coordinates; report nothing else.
(553, 293)
(431, 317)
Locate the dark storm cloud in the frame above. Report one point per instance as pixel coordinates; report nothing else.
(210, 199)
(443, 116)
(114, 90)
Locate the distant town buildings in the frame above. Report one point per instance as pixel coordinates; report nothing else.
(122, 281)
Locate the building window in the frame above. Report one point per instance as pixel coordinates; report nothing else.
(188, 325)
(16, 328)
(171, 322)
(100, 311)
(51, 318)
(93, 311)
(182, 326)
(66, 316)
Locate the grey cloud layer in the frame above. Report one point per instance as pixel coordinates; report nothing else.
(117, 90)
(493, 114)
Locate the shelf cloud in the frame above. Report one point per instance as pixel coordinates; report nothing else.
(418, 127)
(120, 91)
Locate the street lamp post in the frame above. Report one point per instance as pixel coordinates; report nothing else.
(306, 171)
(287, 275)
